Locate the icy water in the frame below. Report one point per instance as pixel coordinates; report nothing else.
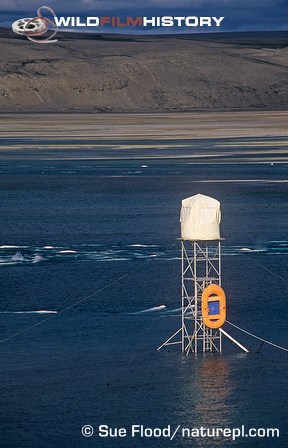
(89, 248)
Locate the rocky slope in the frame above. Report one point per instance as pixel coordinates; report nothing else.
(144, 73)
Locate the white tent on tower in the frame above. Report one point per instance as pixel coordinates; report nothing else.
(200, 218)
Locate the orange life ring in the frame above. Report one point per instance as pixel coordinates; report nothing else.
(213, 306)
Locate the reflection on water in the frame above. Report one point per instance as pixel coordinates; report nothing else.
(214, 389)
(206, 397)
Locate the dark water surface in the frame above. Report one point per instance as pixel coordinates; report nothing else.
(70, 228)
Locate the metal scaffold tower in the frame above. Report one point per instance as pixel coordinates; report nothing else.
(201, 266)
(203, 299)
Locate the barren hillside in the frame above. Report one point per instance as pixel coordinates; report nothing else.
(144, 73)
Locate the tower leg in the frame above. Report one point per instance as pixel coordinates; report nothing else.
(234, 340)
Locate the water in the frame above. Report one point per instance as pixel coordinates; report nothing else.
(71, 228)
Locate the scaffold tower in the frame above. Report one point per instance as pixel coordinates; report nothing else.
(201, 270)
(201, 266)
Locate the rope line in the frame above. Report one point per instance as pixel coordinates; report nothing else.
(89, 296)
(257, 337)
(84, 299)
(265, 269)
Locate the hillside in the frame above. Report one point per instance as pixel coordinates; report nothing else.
(144, 73)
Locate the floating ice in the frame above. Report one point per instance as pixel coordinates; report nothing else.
(18, 257)
(37, 259)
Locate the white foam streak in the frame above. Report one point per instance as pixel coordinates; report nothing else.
(12, 247)
(67, 252)
(30, 312)
(142, 245)
(151, 310)
(175, 310)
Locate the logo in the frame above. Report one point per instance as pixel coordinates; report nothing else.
(37, 26)
(142, 22)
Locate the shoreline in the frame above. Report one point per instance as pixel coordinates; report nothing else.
(194, 125)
